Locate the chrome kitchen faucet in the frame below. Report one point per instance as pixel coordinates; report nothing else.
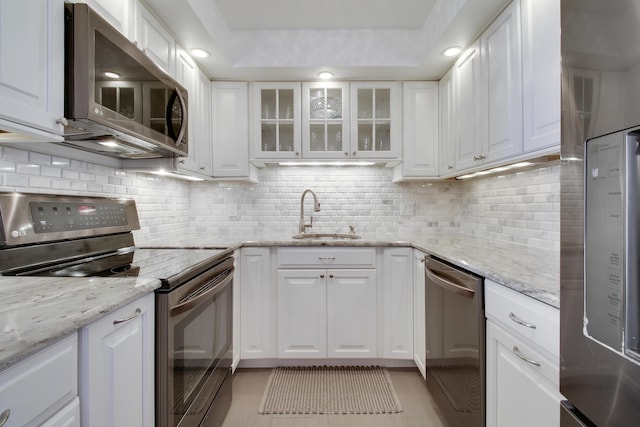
(302, 228)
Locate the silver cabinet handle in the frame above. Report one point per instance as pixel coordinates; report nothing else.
(517, 352)
(135, 314)
(519, 321)
(4, 416)
(327, 258)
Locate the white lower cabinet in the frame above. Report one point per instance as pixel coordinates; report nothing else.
(522, 360)
(327, 303)
(42, 390)
(397, 303)
(117, 367)
(419, 332)
(257, 304)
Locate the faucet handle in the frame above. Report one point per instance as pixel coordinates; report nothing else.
(352, 230)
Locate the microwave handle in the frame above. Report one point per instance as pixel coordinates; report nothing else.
(183, 128)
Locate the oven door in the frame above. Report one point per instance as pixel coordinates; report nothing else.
(194, 337)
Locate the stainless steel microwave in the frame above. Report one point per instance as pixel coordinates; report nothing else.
(118, 102)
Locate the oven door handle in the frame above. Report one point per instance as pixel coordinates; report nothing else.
(193, 302)
(449, 285)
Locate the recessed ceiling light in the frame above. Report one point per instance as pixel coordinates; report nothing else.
(199, 53)
(325, 74)
(112, 75)
(452, 51)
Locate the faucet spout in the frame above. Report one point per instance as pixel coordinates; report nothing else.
(302, 227)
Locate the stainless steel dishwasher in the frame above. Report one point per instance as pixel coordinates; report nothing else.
(455, 336)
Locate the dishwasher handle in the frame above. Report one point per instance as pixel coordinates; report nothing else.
(447, 284)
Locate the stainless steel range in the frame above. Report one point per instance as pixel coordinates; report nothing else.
(64, 236)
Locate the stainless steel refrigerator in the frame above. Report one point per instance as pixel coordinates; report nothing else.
(600, 233)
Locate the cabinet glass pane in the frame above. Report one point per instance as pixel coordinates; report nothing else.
(317, 103)
(269, 137)
(365, 137)
(286, 104)
(286, 137)
(383, 137)
(383, 103)
(334, 137)
(317, 137)
(334, 103)
(268, 103)
(365, 103)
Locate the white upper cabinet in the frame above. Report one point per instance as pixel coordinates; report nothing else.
(502, 83)
(325, 121)
(469, 138)
(541, 73)
(230, 134)
(420, 129)
(119, 13)
(155, 40)
(374, 120)
(446, 105)
(32, 67)
(276, 121)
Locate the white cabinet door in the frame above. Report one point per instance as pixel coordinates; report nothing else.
(69, 416)
(230, 134)
(374, 120)
(351, 313)
(446, 108)
(502, 84)
(469, 138)
(519, 392)
(119, 13)
(419, 333)
(258, 304)
(325, 121)
(275, 120)
(541, 73)
(397, 303)
(32, 66)
(302, 314)
(117, 367)
(420, 129)
(155, 40)
(32, 390)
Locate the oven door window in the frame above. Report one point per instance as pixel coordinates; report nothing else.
(199, 349)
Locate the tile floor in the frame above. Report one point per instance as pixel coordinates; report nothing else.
(249, 386)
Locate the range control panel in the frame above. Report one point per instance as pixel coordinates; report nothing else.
(53, 217)
(37, 218)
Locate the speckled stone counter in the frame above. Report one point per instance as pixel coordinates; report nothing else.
(530, 271)
(37, 311)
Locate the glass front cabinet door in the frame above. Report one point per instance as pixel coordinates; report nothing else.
(374, 120)
(325, 121)
(276, 123)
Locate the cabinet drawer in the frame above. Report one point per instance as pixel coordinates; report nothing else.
(524, 316)
(37, 387)
(326, 257)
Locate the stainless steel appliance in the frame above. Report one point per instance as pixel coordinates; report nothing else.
(46, 235)
(455, 334)
(599, 370)
(117, 101)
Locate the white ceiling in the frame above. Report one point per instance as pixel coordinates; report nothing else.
(295, 39)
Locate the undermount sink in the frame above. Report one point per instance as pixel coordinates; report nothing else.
(326, 236)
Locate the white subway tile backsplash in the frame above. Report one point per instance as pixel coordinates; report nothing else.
(521, 207)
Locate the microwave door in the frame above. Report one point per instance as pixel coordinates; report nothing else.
(632, 247)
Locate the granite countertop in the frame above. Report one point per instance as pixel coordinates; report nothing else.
(37, 311)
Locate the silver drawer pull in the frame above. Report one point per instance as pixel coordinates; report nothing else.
(135, 314)
(517, 352)
(327, 258)
(4, 416)
(519, 321)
